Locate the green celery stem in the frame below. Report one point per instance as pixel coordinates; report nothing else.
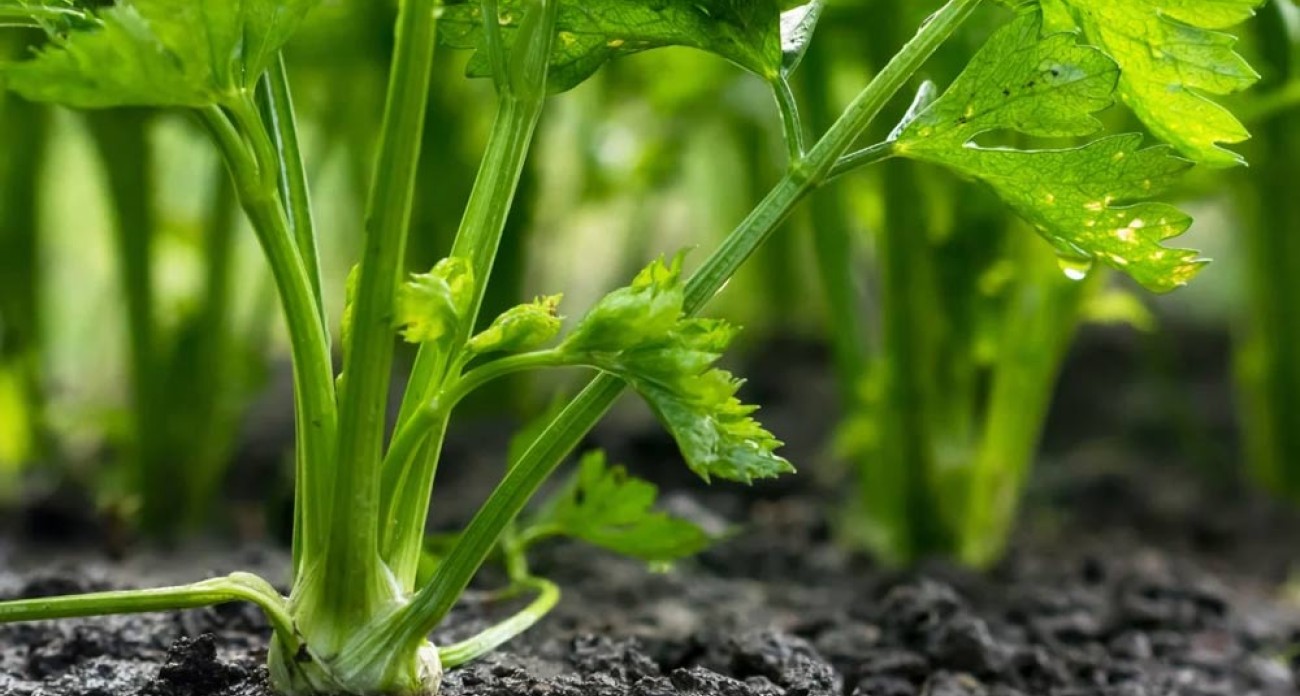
(480, 237)
(354, 587)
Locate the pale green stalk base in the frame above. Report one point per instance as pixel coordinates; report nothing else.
(298, 674)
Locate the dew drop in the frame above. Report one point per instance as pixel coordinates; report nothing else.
(1075, 267)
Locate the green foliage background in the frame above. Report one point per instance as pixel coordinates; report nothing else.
(657, 151)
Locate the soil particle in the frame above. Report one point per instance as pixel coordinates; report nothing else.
(787, 661)
(622, 659)
(945, 684)
(192, 669)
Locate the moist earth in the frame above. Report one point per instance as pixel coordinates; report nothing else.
(1129, 577)
(1088, 608)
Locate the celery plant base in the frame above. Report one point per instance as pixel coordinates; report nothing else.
(300, 673)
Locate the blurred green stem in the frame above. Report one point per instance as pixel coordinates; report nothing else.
(1268, 342)
(1036, 329)
(211, 428)
(22, 168)
(123, 140)
(832, 238)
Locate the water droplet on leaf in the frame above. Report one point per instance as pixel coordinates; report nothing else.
(1075, 267)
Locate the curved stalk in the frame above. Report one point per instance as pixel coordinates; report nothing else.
(866, 157)
(266, 159)
(791, 122)
(413, 433)
(548, 595)
(313, 371)
(277, 107)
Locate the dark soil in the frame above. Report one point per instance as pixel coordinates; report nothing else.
(1129, 578)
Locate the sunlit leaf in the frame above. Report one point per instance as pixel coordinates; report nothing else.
(1086, 201)
(1172, 54)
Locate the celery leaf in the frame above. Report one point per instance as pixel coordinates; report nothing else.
(1087, 201)
(431, 305)
(604, 506)
(641, 334)
(1172, 54)
(167, 53)
(591, 32)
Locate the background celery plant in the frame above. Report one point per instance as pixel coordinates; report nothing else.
(947, 404)
(190, 379)
(946, 391)
(1268, 338)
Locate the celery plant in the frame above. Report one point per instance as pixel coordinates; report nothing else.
(975, 322)
(355, 620)
(188, 380)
